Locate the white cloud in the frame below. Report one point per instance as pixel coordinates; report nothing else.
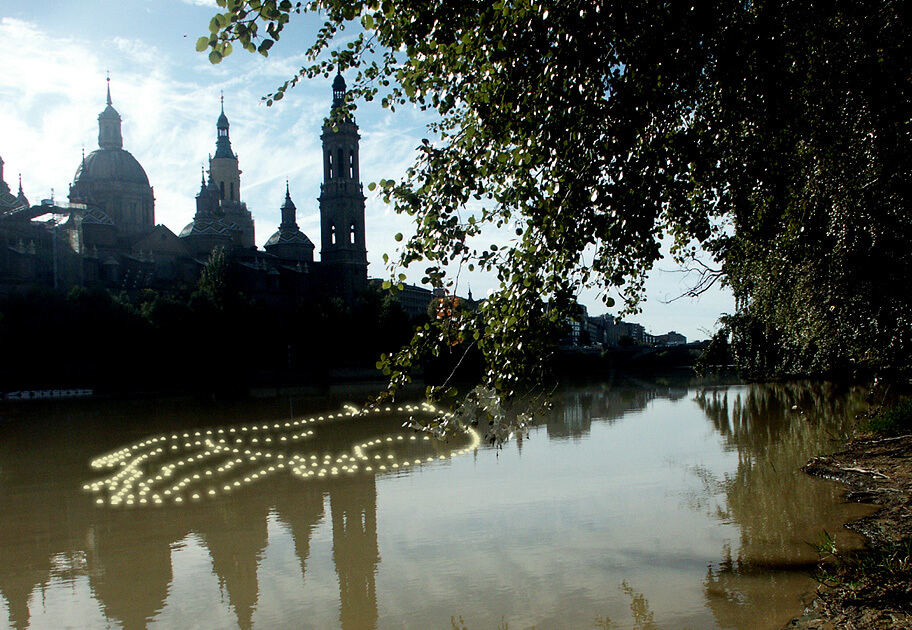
(137, 51)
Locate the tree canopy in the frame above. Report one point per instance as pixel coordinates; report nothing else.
(774, 135)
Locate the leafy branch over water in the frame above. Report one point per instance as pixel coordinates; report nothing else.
(772, 136)
(485, 409)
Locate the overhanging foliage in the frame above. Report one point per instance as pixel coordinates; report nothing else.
(773, 133)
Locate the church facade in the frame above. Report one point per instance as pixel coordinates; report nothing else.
(106, 234)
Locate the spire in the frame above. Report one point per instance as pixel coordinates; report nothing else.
(211, 185)
(207, 200)
(338, 90)
(222, 122)
(109, 133)
(289, 212)
(21, 198)
(222, 141)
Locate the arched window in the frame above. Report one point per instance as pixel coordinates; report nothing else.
(351, 234)
(332, 233)
(232, 191)
(351, 164)
(329, 165)
(221, 190)
(341, 162)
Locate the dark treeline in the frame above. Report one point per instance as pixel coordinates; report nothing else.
(209, 338)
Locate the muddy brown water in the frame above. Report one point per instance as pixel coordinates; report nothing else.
(656, 503)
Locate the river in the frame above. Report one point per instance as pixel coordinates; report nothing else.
(640, 503)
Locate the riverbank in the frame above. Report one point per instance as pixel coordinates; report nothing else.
(873, 590)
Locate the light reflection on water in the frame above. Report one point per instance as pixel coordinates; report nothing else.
(665, 504)
(206, 463)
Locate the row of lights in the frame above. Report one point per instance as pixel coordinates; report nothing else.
(138, 481)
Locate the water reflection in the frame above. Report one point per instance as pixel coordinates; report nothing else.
(607, 403)
(53, 535)
(355, 553)
(774, 428)
(654, 503)
(127, 555)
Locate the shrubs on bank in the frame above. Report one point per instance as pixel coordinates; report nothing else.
(187, 340)
(895, 419)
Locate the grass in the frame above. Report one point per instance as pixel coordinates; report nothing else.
(893, 420)
(853, 570)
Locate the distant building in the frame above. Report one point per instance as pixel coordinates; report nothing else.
(106, 234)
(608, 331)
(671, 338)
(414, 299)
(595, 326)
(614, 330)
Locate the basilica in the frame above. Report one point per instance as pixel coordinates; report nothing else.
(106, 234)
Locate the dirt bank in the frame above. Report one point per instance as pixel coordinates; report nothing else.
(872, 591)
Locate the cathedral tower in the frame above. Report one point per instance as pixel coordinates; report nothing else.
(226, 175)
(223, 166)
(221, 219)
(344, 252)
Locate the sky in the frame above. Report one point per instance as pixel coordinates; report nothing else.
(53, 68)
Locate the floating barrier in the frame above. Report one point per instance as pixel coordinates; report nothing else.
(37, 394)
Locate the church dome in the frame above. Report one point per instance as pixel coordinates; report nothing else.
(209, 227)
(110, 165)
(289, 237)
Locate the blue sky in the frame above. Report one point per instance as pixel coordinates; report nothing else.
(53, 68)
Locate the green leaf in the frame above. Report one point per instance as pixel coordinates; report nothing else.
(265, 46)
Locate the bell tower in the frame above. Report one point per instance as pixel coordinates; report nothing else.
(225, 176)
(224, 165)
(344, 252)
